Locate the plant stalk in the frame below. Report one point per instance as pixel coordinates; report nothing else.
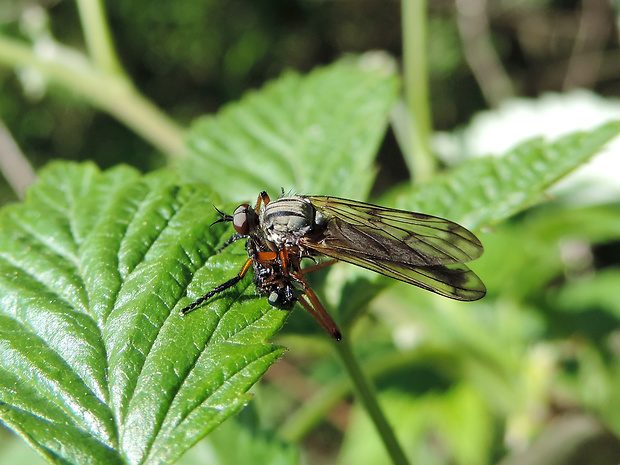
(369, 400)
(112, 93)
(97, 36)
(418, 155)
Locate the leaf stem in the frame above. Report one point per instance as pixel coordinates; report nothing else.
(111, 92)
(369, 400)
(97, 36)
(416, 146)
(14, 166)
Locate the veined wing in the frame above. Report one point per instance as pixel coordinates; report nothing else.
(396, 236)
(454, 281)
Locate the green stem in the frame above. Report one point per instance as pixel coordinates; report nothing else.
(112, 93)
(419, 157)
(369, 400)
(97, 36)
(315, 409)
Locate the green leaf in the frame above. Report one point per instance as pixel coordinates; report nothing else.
(456, 421)
(599, 291)
(242, 440)
(534, 260)
(488, 190)
(97, 365)
(314, 134)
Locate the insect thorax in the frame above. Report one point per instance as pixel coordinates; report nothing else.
(285, 220)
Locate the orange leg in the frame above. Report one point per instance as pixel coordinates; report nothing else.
(285, 261)
(266, 257)
(316, 309)
(262, 197)
(318, 266)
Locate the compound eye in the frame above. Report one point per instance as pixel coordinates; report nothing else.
(240, 219)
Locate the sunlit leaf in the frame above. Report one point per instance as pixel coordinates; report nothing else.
(313, 134)
(242, 440)
(599, 291)
(97, 365)
(487, 190)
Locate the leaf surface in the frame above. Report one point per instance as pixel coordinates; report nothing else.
(488, 190)
(97, 365)
(312, 134)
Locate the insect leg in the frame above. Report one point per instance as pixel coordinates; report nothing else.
(316, 309)
(265, 257)
(318, 266)
(230, 240)
(284, 260)
(262, 197)
(218, 289)
(320, 315)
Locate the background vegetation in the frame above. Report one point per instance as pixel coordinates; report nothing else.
(529, 374)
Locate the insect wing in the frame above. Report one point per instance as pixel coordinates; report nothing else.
(414, 248)
(400, 236)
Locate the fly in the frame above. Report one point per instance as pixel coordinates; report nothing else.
(418, 249)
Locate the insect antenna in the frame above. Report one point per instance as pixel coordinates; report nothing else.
(224, 218)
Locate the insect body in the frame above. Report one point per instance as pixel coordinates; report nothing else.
(418, 249)
(270, 279)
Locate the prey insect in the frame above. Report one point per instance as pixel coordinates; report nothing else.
(418, 249)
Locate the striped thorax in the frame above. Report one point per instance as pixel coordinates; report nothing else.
(285, 220)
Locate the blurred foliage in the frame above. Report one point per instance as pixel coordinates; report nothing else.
(191, 57)
(527, 375)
